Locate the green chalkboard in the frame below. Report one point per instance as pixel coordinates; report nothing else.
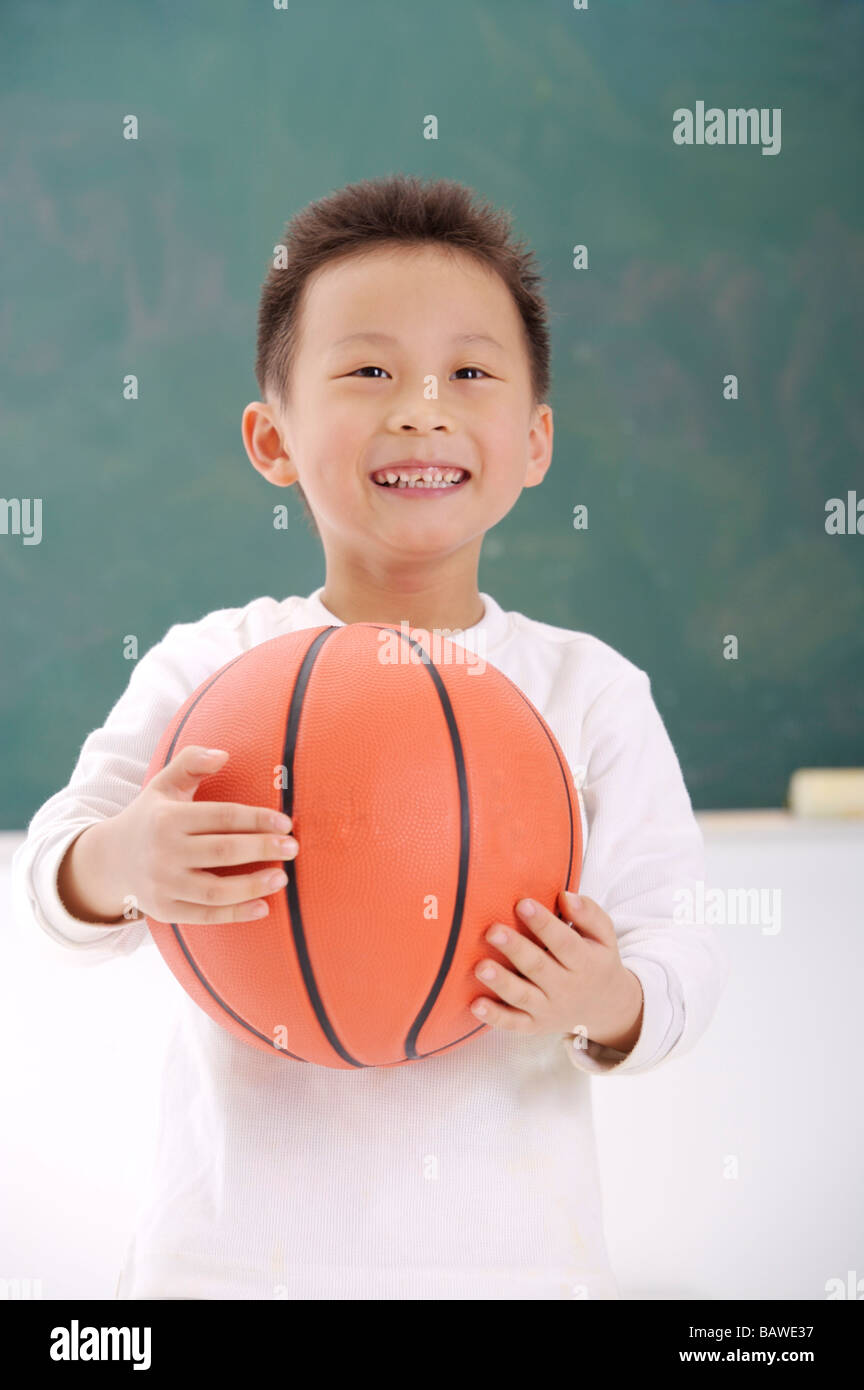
(706, 515)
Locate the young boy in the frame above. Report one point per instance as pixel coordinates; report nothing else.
(403, 360)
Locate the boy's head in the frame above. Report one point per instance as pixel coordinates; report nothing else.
(422, 270)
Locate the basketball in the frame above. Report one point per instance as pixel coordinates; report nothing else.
(427, 795)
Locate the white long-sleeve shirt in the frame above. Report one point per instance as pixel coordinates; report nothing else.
(470, 1175)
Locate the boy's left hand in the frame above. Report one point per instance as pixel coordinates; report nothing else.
(577, 982)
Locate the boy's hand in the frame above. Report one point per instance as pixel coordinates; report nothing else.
(577, 982)
(164, 842)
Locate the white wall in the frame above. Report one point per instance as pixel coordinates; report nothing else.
(776, 1082)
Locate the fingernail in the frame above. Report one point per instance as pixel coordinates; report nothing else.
(259, 910)
(277, 880)
(526, 907)
(575, 901)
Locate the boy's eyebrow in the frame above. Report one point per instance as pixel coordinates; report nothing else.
(388, 339)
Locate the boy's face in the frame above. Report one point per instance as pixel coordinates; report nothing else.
(358, 406)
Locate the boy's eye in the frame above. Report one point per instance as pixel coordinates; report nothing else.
(381, 369)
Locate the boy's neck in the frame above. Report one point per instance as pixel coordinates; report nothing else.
(445, 604)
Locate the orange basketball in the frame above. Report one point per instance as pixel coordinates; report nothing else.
(427, 797)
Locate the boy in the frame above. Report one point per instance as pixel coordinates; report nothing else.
(403, 360)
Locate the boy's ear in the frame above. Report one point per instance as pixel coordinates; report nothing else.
(540, 446)
(262, 440)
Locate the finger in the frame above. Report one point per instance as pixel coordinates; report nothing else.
(500, 1016)
(511, 988)
(210, 851)
(559, 938)
(193, 914)
(182, 776)
(228, 817)
(215, 890)
(526, 956)
(588, 917)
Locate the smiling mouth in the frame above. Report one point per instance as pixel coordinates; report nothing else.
(421, 480)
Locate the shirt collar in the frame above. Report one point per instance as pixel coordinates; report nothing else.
(480, 637)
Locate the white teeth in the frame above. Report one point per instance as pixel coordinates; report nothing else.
(433, 478)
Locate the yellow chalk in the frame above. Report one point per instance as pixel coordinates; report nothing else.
(826, 791)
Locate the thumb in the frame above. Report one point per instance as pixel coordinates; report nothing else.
(181, 778)
(588, 917)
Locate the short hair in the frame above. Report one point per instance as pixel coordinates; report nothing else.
(400, 209)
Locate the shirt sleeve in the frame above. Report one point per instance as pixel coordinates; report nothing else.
(110, 770)
(644, 857)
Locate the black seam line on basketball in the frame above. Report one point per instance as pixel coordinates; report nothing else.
(443, 1048)
(175, 928)
(227, 1007)
(294, 911)
(464, 853)
(482, 1027)
(465, 834)
(411, 1053)
(291, 886)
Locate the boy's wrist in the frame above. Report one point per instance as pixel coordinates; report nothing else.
(84, 881)
(625, 1025)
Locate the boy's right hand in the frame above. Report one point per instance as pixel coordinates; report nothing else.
(166, 842)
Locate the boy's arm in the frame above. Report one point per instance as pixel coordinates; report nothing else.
(108, 775)
(644, 846)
